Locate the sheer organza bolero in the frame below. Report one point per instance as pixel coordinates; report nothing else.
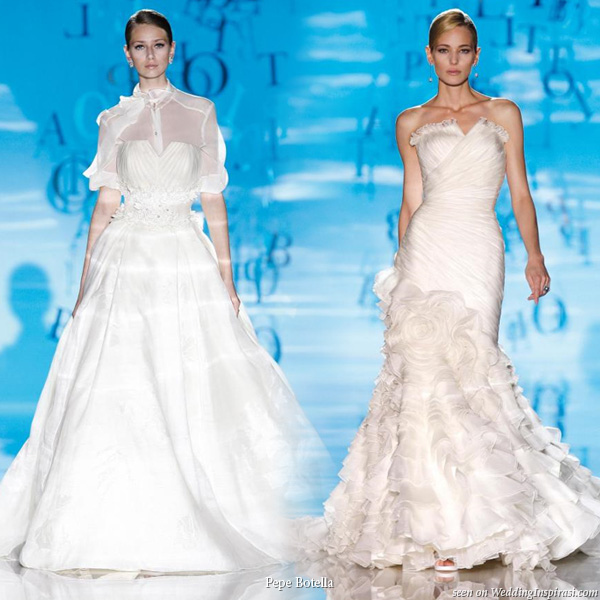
(160, 116)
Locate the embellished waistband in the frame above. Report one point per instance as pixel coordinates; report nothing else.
(157, 210)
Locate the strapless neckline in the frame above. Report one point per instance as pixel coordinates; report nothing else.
(453, 121)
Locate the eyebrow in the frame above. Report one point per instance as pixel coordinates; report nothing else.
(467, 45)
(155, 40)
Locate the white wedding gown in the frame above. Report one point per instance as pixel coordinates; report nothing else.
(451, 458)
(165, 438)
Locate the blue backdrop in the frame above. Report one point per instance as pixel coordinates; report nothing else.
(307, 93)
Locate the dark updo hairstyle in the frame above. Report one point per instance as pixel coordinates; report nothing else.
(146, 16)
(449, 19)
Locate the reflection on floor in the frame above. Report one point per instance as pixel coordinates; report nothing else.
(327, 580)
(17, 583)
(575, 573)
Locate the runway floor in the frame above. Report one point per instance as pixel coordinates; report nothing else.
(575, 576)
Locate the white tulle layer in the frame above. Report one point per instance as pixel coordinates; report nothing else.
(451, 458)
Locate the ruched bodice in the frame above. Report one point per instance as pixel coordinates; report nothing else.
(177, 168)
(454, 241)
(461, 171)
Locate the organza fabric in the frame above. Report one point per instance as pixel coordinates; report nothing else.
(166, 438)
(451, 459)
(159, 118)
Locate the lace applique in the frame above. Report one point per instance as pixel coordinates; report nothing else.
(47, 535)
(157, 208)
(188, 532)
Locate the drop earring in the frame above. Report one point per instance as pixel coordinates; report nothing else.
(430, 77)
(476, 73)
(130, 64)
(170, 59)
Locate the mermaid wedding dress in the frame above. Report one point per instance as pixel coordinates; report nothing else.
(451, 458)
(165, 438)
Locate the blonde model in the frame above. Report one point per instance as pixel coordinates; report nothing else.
(452, 467)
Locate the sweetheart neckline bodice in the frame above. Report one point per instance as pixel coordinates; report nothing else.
(461, 171)
(149, 144)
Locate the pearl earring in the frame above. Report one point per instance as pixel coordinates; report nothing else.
(130, 63)
(170, 59)
(476, 73)
(430, 77)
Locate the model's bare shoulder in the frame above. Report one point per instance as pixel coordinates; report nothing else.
(408, 120)
(507, 113)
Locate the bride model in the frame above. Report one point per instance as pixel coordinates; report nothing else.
(165, 438)
(451, 466)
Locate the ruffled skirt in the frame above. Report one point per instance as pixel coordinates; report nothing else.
(451, 459)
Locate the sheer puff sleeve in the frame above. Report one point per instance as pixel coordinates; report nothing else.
(214, 177)
(103, 170)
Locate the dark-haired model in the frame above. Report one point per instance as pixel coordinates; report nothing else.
(165, 436)
(451, 466)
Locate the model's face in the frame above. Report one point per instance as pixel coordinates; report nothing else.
(149, 50)
(453, 56)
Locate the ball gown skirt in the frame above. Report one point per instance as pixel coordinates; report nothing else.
(451, 459)
(165, 438)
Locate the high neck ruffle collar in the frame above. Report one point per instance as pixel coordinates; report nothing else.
(130, 107)
(155, 96)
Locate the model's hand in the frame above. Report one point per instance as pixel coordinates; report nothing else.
(235, 300)
(537, 278)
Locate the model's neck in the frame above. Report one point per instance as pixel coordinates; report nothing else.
(145, 85)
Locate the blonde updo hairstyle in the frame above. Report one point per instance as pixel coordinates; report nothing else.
(449, 19)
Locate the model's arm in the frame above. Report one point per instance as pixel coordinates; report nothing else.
(107, 202)
(215, 212)
(412, 189)
(522, 202)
